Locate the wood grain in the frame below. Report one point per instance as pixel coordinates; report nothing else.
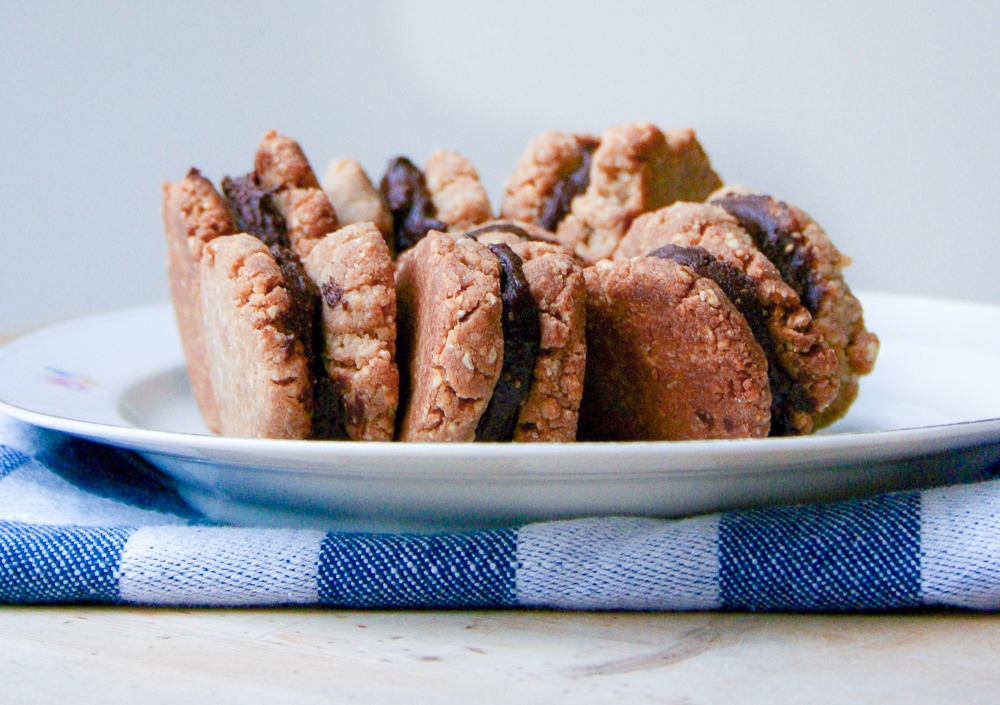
(137, 655)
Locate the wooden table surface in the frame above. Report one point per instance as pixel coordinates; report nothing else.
(134, 655)
(246, 656)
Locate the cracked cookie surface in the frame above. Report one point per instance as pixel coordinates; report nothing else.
(459, 198)
(354, 274)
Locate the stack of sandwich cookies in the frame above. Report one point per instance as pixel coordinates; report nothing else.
(298, 324)
(783, 275)
(352, 270)
(725, 318)
(588, 190)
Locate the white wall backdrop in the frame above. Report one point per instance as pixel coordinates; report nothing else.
(880, 119)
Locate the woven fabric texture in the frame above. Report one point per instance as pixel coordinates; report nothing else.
(82, 522)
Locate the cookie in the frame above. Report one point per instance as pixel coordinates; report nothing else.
(345, 281)
(588, 191)
(802, 369)
(354, 273)
(450, 341)
(354, 198)
(459, 199)
(445, 196)
(289, 325)
(550, 411)
(281, 167)
(194, 214)
(258, 363)
(811, 265)
(669, 357)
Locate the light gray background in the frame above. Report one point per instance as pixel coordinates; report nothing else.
(881, 120)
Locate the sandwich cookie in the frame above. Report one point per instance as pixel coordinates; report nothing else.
(297, 324)
(343, 283)
(669, 357)
(811, 265)
(450, 343)
(802, 369)
(588, 190)
(282, 170)
(446, 195)
(550, 409)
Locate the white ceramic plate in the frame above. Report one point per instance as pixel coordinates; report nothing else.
(927, 414)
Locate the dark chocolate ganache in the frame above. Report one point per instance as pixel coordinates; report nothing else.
(521, 341)
(773, 227)
(786, 395)
(257, 215)
(405, 192)
(557, 205)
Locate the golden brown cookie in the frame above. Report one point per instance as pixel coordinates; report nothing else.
(669, 357)
(281, 166)
(450, 341)
(811, 265)
(802, 368)
(589, 190)
(194, 214)
(337, 309)
(353, 196)
(550, 411)
(257, 362)
(459, 199)
(354, 274)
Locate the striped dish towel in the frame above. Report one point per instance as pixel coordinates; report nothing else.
(82, 522)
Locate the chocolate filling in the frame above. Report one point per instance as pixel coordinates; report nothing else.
(405, 192)
(522, 338)
(772, 226)
(786, 395)
(509, 228)
(557, 205)
(257, 215)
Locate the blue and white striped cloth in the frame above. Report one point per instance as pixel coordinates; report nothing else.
(81, 522)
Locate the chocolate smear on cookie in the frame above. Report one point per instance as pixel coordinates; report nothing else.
(508, 228)
(773, 227)
(558, 204)
(521, 341)
(257, 215)
(786, 395)
(405, 191)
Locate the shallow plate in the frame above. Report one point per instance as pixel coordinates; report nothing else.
(929, 413)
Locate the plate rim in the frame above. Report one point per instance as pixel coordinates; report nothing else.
(891, 444)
